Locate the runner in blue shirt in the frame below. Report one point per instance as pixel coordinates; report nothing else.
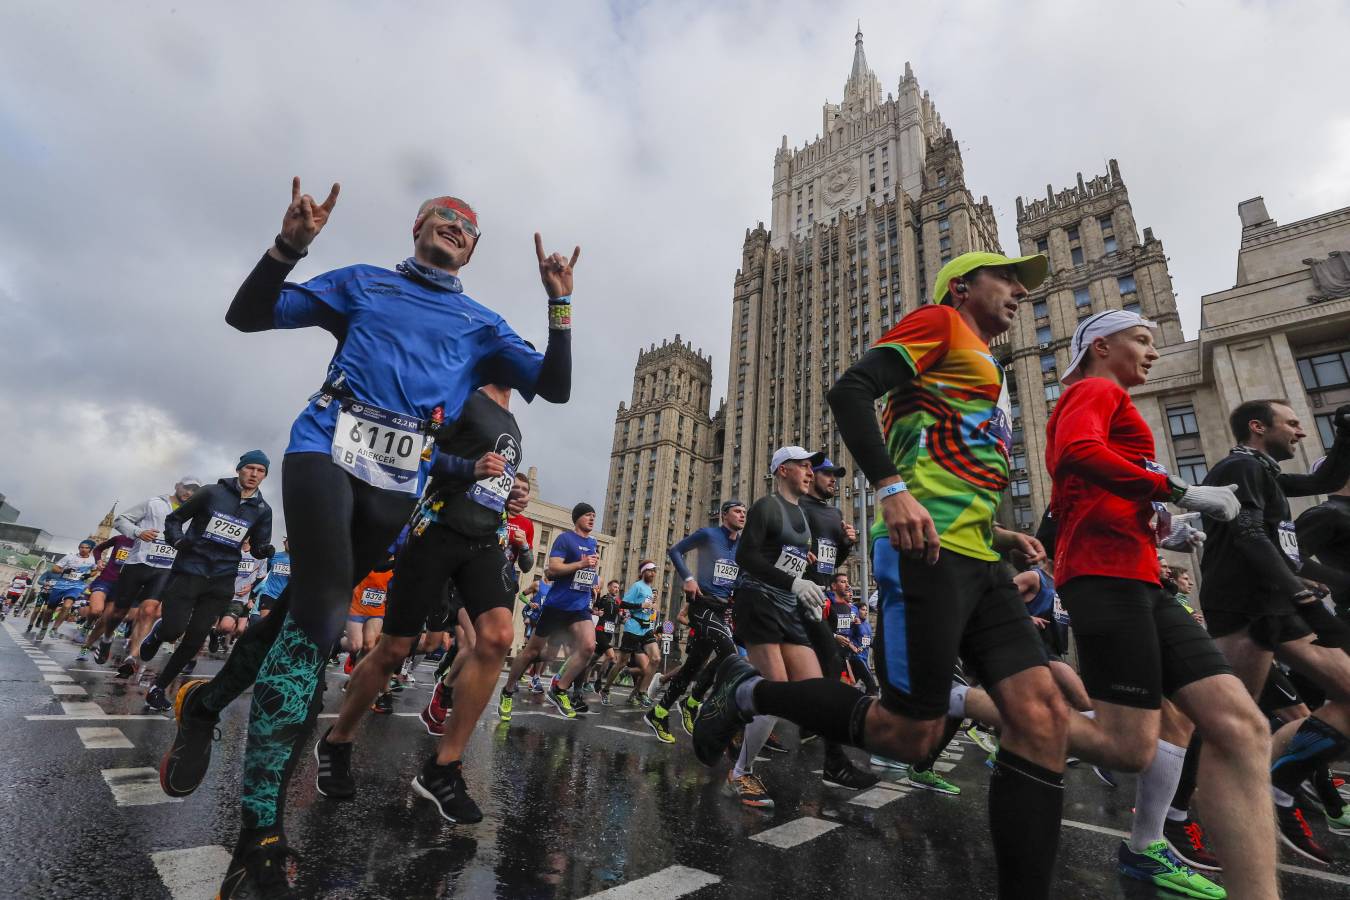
(709, 597)
(637, 644)
(565, 614)
(411, 347)
(278, 577)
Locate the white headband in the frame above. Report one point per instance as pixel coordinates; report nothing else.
(1102, 324)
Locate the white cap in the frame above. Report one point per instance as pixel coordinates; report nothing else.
(792, 454)
(649, 567)
(1098, 325)
(190, 479)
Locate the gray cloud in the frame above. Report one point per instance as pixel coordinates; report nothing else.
(147, 152)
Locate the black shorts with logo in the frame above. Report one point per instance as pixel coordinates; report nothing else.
(1136, 644)
(1280, 692)
(759, 619)
(137, 582)
(418, 597)
(931, 616)
(1267, 630)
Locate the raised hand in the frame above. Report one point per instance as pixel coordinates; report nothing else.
(555, 270)
(305, 217)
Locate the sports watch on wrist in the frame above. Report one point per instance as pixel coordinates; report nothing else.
(1179, 488)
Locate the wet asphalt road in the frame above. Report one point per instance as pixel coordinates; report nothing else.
(571, 809)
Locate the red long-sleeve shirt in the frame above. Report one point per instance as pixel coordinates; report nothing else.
(1096, 447)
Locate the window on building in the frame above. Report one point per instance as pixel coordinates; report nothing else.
(1109, 244)
(1041, 309)
(1019, 459)
(1076, 255)
(1127, 285)
(1022, 515)
(1132, 307)
(1021, 487)
(1042, 333)
(942, 205)
(942, 178)
(1192, 469)
(945, 243)
(1052, 391)
(1043, 246)
(1107, 227)
(1181, 422)
(944, 224)
(1047, 362)
(1325, 429)
(1081, 297)
(1324, 371)
(1073, 235)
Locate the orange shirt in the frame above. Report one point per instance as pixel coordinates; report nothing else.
(368, 598)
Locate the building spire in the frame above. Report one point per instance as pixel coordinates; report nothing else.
(860, 70)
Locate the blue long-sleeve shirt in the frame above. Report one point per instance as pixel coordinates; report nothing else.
(718, 571)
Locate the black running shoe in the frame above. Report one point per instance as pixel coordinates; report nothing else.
(190, 667)
(259, 869)
(184, 766)
(772, 743)
(718, 717)
(384, 704)
(126, 669)
(334, 778)
(579, 705)
(1297, 835)
(444, 786)
(155, 699)
(150, 646)
(101, 653)
(848, 775)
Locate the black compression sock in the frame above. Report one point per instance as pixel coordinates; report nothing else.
(1026, 803)
(1313, 745)
(828, 707)
(1181, 800)
(1331, 799)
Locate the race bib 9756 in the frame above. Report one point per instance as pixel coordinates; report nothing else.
(224, 529)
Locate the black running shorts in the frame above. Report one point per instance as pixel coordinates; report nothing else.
(554, 622)
(1136, 644)
(236, 609)
(636, 643)
(418, 598)
(1279, 692)
(138, 582)
(959, 607)
(1267, 630)
(760, 620)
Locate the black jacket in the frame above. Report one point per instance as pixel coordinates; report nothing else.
(218, 520)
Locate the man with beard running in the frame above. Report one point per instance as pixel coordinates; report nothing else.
(411, 348)
(209, 532)
(708, 594)
(1259, 608)
(945, 591)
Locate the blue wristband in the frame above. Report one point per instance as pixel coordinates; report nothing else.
(890, 490)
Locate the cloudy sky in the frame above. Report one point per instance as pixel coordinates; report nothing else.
(146, 152)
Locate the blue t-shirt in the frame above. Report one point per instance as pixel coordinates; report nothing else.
(717, 568)
(405, 346)
(1043, 604)
(639, 621)
(75, 571)
(278, 575)
(572, 592)
(861, 637)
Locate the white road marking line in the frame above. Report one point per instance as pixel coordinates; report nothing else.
(55, 677)
(877, 797)
(100, 717)
(1283, 867)
(674, 881)
(943, 766)
(104, 739)
(68, 690)
(643, 734)
(82, 709)
(794, 833)
(136, 787)
(192, 873)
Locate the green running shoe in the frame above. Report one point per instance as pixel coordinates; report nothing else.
(658, 720)
(504, 707)
(1340, 824)
(932, 781)
(688, 710)
(982, 739)
(1158, 865)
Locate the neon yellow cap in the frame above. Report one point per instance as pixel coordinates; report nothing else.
(1031, 270)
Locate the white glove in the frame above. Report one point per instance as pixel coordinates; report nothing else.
(811, 597)
(1216, 502)
(1183, 538)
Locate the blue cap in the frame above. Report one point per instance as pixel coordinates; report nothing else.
(829, 466)
(254, 458)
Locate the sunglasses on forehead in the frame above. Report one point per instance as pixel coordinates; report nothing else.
(454, 216)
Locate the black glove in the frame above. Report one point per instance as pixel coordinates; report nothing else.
(1331, 630)
(266, 551)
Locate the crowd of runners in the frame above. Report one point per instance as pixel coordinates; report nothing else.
(407, 537)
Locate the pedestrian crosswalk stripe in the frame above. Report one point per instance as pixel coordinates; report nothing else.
(794, 833)
(623, 730)
(68, 690)
(673, 881)
(104, 739)
(877, 797)
(54, 677)
(192, 873)
(136, 787)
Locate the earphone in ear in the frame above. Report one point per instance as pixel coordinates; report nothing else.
(961, 289)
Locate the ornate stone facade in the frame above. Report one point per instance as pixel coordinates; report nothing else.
(661, 474)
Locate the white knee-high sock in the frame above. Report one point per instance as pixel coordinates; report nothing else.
(756, 733)
(1153, 795)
